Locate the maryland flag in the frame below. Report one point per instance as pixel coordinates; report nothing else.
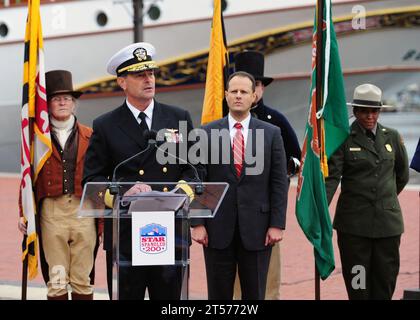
(217, 69)
(35, 134)
(326, 130)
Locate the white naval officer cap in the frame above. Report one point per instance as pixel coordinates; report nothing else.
(135, 57)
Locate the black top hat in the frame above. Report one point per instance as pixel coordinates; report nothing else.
(60, 82)
(253, 63)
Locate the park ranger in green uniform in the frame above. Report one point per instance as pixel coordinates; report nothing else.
(372, 166)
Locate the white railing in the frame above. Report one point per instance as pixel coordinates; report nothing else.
(8, 3)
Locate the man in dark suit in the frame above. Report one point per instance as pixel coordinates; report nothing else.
(415, 162)
(253, 63)
(118, 135)
(372, 165)
(252, 215)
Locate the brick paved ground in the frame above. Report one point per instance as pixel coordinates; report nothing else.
(296, 253)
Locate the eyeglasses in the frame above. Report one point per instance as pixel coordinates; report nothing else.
(61, 98)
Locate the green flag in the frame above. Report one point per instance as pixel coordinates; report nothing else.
(326, 130)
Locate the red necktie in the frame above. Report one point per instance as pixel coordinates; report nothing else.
(238, 149)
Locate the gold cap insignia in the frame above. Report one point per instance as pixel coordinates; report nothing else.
(140, 54)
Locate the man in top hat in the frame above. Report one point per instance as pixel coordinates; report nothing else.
(372, 166)
(118, 135)
(253, 63)
(67, 242)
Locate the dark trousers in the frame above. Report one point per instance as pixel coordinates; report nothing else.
(221, 271)
(162, 282)
(370, 266)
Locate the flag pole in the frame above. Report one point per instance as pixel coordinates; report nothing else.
(214, 106)
(319, 43)
(24, 277)
(317, 285)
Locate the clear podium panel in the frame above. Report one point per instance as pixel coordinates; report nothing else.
(205, 198)
(150, 229)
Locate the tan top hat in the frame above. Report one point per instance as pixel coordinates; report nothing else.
(368, 96)
(135, 57)
(60, 82)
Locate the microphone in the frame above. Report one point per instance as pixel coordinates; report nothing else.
(113, 187)
(150, 136)
(199, 188)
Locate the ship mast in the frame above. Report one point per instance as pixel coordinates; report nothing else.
(138, 20)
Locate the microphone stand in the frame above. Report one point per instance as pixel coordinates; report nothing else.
(114, 188)
(199, 188)
(151, 141)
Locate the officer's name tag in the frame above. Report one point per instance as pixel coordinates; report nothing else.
(355, 149)
(388, 147)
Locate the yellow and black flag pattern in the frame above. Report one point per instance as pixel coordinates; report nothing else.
(35, 130)
(217, 69)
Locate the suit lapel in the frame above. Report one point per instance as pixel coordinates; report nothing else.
(224, 124)
(250, 143)
(129, 125)
(159, 119)
(159, 122)
(250, 147)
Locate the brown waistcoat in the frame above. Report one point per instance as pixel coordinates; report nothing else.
(50, 179)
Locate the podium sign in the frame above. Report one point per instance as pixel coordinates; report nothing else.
(153, 238)
(151, 228)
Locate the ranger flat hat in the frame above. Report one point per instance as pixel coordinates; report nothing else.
(60, 82)
(253, 63)
(135, 57)
(367, 96)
